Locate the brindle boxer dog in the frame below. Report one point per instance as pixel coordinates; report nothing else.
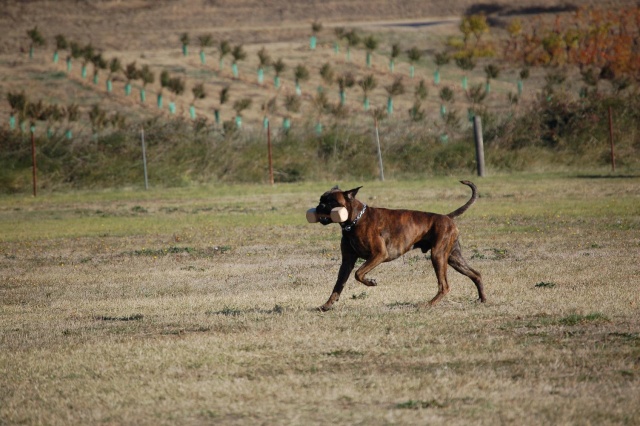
(380, 235)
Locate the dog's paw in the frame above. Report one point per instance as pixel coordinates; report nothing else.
(325, 308)
(371, 283)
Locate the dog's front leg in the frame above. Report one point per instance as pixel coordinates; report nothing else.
(366, 267)
(349, 258)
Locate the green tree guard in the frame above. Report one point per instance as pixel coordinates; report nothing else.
(185, 39)
(172, 107)
(465, 83)
(61, 44)
(286, 124)
(265, 122)
(367, 84)
(371, 44)
(143, 95)
(159, 100)
(238, 121)
(436, 77)
(127, 89)
(12, 122)
(318, 128)
(414, 54)
(192, 112)
(260, 76)
(316, 27)
(36, 40)
(395, 52)
(394, 89)
(234, 69)
(216, 115)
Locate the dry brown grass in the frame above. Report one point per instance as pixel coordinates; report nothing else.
(194, 306)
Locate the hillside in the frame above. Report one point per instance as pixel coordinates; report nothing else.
(148, 32)
(147, 24)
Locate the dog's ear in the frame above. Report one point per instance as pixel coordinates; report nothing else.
(351, 194)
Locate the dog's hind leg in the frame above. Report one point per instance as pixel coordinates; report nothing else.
(440, 267)
(458, 263)
(440, 254)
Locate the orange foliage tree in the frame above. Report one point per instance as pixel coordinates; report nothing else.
(590, 38)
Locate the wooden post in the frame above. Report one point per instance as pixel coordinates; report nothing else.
(375, 123)
(269, 152)
(477, 134)
(33, 161)
(613, 157)
(144, 160)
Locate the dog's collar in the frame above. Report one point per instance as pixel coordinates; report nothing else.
(348, 226)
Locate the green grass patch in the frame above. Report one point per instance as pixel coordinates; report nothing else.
(418, 404)
(134, 317)
(340, 353)
(577, 319)
(545, 284)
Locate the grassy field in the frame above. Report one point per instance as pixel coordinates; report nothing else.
(199, 305)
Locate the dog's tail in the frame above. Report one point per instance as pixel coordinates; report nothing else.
(474, 197)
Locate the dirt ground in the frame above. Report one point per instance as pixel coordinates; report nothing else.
(145, 24)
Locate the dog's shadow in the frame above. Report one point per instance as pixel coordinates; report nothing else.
(396, 306)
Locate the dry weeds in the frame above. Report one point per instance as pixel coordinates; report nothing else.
(194, 306)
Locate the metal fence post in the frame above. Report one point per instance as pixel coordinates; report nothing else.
(477, 134)
(144, 159)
